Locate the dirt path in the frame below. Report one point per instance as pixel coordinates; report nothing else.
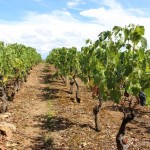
(29, 110)
(72, 127)
(48, 118)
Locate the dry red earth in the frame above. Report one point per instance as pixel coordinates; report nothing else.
(48, 118)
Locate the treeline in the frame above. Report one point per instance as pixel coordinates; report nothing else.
(16, 61)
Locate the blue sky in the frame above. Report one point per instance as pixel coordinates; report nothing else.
(46, 24)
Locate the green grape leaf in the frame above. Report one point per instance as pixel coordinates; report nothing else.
(104, 96)
(140, 30)
(116, 29)
(128, 70)
(144, 42)
(96, 44)
(135, 90)
(128, 46)
(141, 54)
(110, 83)
(136, 37)
(147, 93)
(115, 95)
(103, 35)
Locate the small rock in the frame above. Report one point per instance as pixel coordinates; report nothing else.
(11, 126)
(83, 145)
(5, 116)
(14, 144)
(9, 144)
(2, 147)
(6, 131)
(146, 116)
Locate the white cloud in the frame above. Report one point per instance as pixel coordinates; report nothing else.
(60, 28)
(115, 14)
(112, 4)
(74, 3)
(47, 31)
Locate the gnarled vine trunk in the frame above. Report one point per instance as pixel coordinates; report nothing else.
(78, 99)
(121, 142)
(96, 111)
(71, 85)
(3, 98)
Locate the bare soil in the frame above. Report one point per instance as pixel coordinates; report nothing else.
(47, 117)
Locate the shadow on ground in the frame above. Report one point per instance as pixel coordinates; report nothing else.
(142, 123)
(52, 124)
(50, 93)
(49, 124)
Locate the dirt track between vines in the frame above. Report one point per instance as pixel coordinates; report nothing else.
(47, 118)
